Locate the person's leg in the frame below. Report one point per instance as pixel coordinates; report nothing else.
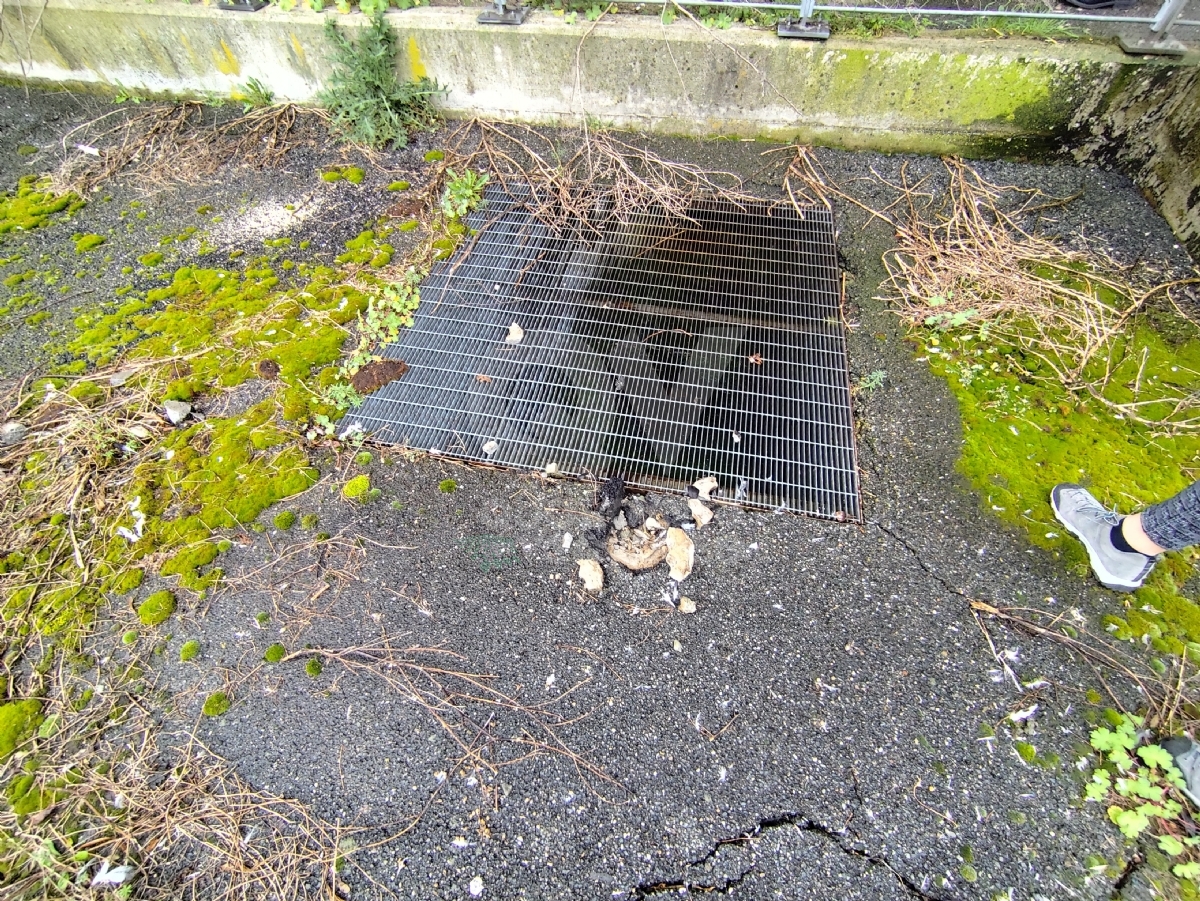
(1170, 525)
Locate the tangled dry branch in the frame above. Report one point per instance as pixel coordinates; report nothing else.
(583, 182)
(972, 261)
(180, 142)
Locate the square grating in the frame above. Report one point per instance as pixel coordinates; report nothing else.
(660, 349)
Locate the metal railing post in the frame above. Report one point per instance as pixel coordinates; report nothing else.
(500, 14)
(804, 29)
(1159, 41)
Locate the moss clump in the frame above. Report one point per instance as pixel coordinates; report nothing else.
(33, 205)
(189, 651)
(275, 653)
(151, 259)
(399, 186)
(18, 720)
(125, 582)
(26, 150)
(1025, 751)
(155, 609)
(353, 174)
(447, 486)
(216, 704)
(363, 458)
(309, 521)
(313, 667)
(129, 638)
(357, 488)
(434, 156)
(285, 520)
(84, 243)
(331, 175)
(262, 617)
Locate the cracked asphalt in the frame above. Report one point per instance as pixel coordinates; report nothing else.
(831, 723)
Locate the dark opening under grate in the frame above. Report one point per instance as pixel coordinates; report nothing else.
(662, 350)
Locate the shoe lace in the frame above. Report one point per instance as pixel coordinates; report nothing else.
(1100, 514)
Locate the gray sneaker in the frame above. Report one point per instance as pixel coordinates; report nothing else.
(1088, 521)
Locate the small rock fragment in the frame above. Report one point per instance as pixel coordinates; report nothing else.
(619, 521)
(681, 553)
(591, 575)
(611, 496)
(552, 470)
(490, 447)
(476, 887)
(700, 513)
(516, 334)
(706, 486)
(568, 540)
(177, 411)
(12, 432)
(687, 605)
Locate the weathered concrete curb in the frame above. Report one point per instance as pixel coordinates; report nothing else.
(929, 94)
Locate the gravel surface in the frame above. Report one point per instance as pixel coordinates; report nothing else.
(830, 723)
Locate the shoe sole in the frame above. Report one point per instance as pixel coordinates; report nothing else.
(1098, 569)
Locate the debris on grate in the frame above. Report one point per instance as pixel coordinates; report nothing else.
(670, 352)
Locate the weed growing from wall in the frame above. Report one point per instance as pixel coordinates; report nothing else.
(367, 102)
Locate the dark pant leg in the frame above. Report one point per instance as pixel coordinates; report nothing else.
(1175, 523)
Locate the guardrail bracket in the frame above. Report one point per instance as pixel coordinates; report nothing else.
(501, 14)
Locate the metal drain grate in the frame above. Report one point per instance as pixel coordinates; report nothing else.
(662, 350)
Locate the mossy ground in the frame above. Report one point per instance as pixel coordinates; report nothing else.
(1023, 432)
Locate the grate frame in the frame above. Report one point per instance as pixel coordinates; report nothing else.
(660, 349)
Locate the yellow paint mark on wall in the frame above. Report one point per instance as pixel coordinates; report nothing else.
(229, 65)
(299, 51)
(416, 67)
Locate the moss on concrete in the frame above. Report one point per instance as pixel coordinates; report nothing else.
(155, 610)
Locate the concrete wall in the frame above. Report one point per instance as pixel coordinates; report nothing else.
(1150, 126)
(932, 94)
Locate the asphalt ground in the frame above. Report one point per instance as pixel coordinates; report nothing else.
(831, 722)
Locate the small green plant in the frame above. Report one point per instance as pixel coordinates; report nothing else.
(723, 21)
(363, 458)
(447, 486)
(367, 102)
(129, 637)
(594, 12)
(189, 651)
(285, 520)
(216, 704)
(343, 396)
(668, 14)
(872, 381)
(255, 95)
(463, 192)
(387, 313)
(1139, 779)
(275, 653)
(313, 667)
(309, 521)
(262, 618)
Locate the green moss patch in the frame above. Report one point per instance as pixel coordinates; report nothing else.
(285, 520)
(18, 721)
(275, 653)
(216, 704)
(189, 651)
(33, 205)
(357, 488)
(151, 259)
(1023, 432)
(155, 609)
(84, 243)
(313, 667)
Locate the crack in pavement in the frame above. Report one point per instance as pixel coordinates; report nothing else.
(796, 820)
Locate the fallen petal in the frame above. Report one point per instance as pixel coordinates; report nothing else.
(516, 334)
